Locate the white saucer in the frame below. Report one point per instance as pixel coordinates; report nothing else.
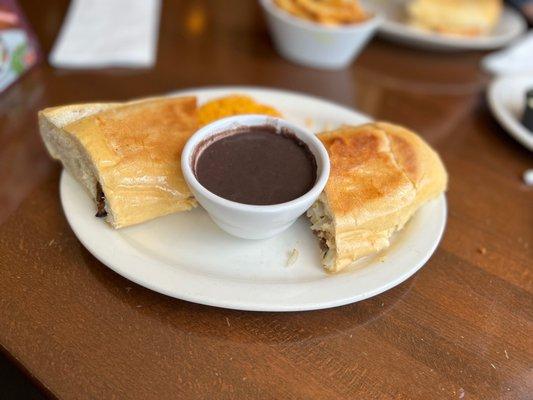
(187, 256)
(507, 101)
(394, 27)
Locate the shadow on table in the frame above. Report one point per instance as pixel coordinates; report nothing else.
(14, 384)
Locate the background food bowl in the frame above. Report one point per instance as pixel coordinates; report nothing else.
(316, 45)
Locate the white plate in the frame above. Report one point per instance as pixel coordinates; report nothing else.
(507, 101)
(394, 27)
(187, 256)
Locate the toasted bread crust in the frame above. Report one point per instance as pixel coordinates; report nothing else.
(380, 175)
(133, 151)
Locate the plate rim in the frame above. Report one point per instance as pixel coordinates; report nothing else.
(506, 120)
(399, 32)
(246, 306)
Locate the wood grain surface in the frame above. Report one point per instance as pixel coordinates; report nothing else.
(461, 328)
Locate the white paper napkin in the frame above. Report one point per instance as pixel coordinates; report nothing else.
(105, 33)
(515, 59)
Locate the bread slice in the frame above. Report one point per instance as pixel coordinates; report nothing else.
(455, 17)
(126, 155)
(380, 175)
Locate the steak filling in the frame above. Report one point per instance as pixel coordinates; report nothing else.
(100, 201)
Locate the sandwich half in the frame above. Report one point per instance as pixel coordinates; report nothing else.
(380, 175)
(455, 17)
(126, 155)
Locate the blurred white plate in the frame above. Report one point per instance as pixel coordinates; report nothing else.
(507, 101)
(187, 256)
(395, 27)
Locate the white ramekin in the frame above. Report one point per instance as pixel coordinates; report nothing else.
(316, 45)
(252, 221)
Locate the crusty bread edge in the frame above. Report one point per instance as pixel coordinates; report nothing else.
(431, 164)
(67, 148)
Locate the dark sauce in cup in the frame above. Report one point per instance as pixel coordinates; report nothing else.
(259, 165)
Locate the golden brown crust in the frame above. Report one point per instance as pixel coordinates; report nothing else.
(406, 157)
(136, 149)
(380, 175)
(363, 169)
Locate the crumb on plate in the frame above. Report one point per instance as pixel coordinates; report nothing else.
(293, 256)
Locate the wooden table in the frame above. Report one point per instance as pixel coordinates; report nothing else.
(460, 328)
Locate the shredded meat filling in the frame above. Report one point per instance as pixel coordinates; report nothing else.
(100, 201)
(322, 226)
(323, 243)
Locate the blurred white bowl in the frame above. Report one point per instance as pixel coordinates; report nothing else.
(316, 45)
